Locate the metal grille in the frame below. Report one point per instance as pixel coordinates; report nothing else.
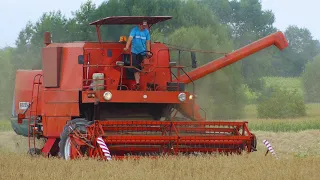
(141, 137)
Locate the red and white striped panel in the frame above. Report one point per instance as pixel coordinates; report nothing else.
(104, 148)
(268, 145)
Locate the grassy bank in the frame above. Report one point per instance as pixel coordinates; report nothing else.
(5, 125)
(278, 125)
(311, 121)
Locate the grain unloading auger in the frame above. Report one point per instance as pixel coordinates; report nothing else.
(84, 103)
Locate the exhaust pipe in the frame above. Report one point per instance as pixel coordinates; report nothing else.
(47, 38)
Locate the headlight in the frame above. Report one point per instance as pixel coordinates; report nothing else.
(107, 95)
(182, 97)
(190, 97)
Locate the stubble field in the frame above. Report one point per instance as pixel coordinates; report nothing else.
(296, 142)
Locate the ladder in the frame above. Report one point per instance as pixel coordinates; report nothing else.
(33, 113)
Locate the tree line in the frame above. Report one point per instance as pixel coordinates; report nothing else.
(219, 25)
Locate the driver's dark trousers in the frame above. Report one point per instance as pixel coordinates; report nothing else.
(136, 61)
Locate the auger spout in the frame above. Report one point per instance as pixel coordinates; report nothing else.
(278, 39)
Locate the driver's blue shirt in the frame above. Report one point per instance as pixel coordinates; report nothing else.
(139, 39)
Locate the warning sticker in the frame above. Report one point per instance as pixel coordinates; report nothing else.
(23, 105)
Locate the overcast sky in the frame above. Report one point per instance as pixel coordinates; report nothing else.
(14, 14)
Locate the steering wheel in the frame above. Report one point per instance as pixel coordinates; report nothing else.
(148, 57)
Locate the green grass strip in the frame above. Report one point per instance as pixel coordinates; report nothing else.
(284, 125)
(5, 125)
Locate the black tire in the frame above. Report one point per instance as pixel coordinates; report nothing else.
(79, 124)
(254, 144)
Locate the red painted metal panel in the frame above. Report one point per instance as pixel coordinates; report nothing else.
(60, 103)
(51, 59)
(61, 96)
(61, 109)
(136, 97)
(71, 71)
(23, 90)
(53, 126)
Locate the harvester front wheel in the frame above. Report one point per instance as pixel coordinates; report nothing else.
(79, 124)
(254, 143)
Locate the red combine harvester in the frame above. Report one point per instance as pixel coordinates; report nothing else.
(84, 103)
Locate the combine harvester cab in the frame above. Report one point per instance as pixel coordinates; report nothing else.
(86, 103)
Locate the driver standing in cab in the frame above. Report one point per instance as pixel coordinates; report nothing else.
(140, 39)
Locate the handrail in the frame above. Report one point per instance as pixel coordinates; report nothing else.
(110, 65)
(104, 79)
(155, 66)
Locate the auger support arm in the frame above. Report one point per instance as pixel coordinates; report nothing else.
(278, 39)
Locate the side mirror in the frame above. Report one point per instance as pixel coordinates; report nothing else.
(80, 59)
(193, 60)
